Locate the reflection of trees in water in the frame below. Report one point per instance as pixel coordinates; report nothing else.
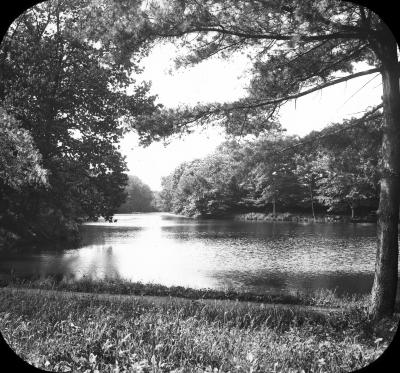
(92, 235)
(94, 262)
(270, 230)
(224, 229)
(102, 264)
(265, 281)
(55, 265)
(279, 247)
(249, 281)
(342, 283)
(101, 234)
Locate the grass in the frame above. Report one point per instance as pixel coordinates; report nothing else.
(57, 332)
(61, 333)
(320, 298)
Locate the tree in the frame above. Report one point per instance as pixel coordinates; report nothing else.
(20, 169)
(309, 170)
(139, 197)
(169, 186)
(345, 181)
(274, 177)
(339, 164)
(190, 197)
(20, 161)
(338, 190)
(70, 94)
(207, 187)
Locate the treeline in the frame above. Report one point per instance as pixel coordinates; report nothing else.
(329, 171)
(139, 197)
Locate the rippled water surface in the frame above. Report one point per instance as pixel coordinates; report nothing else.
(256, 256)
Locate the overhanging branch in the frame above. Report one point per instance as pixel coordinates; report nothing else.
(306, 92)
(200, 114)
(305, 38)
(356, 122)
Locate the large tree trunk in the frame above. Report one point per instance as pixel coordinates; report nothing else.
(386, 272)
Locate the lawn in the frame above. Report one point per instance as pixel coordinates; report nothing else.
(67, 331)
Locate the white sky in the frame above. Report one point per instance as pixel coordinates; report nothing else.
(223, 81)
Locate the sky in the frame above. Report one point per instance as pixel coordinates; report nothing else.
(223, 81)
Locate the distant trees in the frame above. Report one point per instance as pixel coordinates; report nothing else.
(334, 170)
(206, 187)
(275, 184)
(140, 197)
(309, 170)
(346, 175)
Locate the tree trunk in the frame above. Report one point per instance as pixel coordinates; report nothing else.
(352, 211)
(273, 207)
(312, 202)
(386, 272)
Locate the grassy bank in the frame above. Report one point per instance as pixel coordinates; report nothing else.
(322, 298)
(63, 330)
(72, 333)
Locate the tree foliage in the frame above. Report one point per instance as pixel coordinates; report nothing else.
(328, 171)
(20, 161)
(203, 187)
(70, 94)
(295, 48)
(140, 197)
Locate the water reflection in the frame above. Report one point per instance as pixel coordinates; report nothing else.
(342, 282)
(256, 256)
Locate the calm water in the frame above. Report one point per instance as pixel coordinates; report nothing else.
(256, 256)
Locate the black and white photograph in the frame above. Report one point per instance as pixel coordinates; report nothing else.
(199, 186)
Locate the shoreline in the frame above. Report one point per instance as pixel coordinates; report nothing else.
(11, 242)
(261, 216)
(319, 298)
(300, 218)
(163, 299)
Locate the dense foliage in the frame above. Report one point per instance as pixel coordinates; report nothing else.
(20, 161)
(140, 198)
(69, 95)
(20, 169)
(334, 170)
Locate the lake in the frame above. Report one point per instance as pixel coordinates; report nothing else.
(220, 254)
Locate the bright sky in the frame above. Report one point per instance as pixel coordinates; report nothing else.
(218, 81)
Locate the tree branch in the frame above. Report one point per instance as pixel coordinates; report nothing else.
(310, 38)
(365, 117)
(205, 113)
(311, 90)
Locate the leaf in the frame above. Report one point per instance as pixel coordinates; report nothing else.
(92, 358)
